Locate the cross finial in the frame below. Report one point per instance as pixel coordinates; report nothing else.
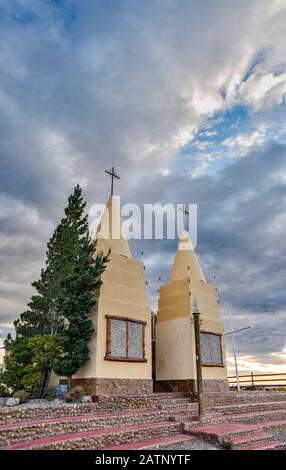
(113, 175)
(185, 212)
(195, 307)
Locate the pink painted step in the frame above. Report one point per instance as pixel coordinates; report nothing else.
(245, 438)
(267, 445)
(249, 405)
(65, 419)
(82, 435)
(221, 430)
(256, 413)
(147, 443)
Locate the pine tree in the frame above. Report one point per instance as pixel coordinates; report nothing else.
(43, 349)
(18, 358)
(25, 367)
(75, 305)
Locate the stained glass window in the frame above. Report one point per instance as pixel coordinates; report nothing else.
(211, 352)
(125, 339)
(117, 338)
(205, 349)
(216, 349)
(135, 340)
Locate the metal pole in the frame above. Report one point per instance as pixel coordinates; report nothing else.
(237, 331)
(200, 398)
(234, 351)
(112, 181)
(252, 380)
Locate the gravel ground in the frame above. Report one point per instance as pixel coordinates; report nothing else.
(193, 445)
(36, 404)
(280, 435)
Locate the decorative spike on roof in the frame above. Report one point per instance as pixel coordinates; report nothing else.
(110, 233)
(186, 263)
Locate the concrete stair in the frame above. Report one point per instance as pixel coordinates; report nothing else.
(250, 407)
(154, 443)
(268, 445)
(255, 416)
(177, 404)
(18, 432)
(244, 419)
(242, 436)
(250, 439)
(99, 439)
(214, 399)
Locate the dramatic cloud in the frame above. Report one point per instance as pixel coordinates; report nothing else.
(187, 100)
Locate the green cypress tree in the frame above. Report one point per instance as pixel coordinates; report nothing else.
(17, 359)
(75, 306)
(44, 316)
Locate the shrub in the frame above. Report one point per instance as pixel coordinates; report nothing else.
(172, 419)
(226, 445)
(23, 395)
(51, 394)
(4, 391)
(75, 393)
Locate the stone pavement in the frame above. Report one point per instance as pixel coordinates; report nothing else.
(247, 420)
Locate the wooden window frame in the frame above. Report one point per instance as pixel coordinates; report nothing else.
(211, 333)
(108, 356)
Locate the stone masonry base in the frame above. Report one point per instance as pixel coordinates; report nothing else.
(189, 385)
(216, 385)
(96, 386)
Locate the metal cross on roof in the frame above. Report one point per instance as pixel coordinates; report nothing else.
(185, 212)
(113, 175)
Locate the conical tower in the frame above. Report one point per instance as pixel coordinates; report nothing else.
(120, 350)
(109, 234)
(175, 344)
(186, 263)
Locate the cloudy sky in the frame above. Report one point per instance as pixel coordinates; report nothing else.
(187, 98)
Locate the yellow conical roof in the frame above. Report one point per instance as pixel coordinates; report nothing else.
(186, 264)
(109, 233)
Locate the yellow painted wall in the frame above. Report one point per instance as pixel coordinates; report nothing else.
(174, 340)
(175, 345)
(123, 293)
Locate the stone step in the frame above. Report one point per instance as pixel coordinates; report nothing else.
(105, 404)
(265, 445)
(215, 399)
(177, 401)
(255, 416)
(17, 432)
(172, 395)
(154, 443)
(245, 439)
(171, 406)
(244, 407)
(218, 404)
(26, 430)
(229, 430)
(98, 439)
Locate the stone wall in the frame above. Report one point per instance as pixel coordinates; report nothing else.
(175, 386)
(84, 424)
(102, 441)
(215, 385)
(105, 404)
(115, 387)
(190, 385)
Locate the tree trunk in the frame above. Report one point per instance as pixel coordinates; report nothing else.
(45, 382)
(69, 380)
